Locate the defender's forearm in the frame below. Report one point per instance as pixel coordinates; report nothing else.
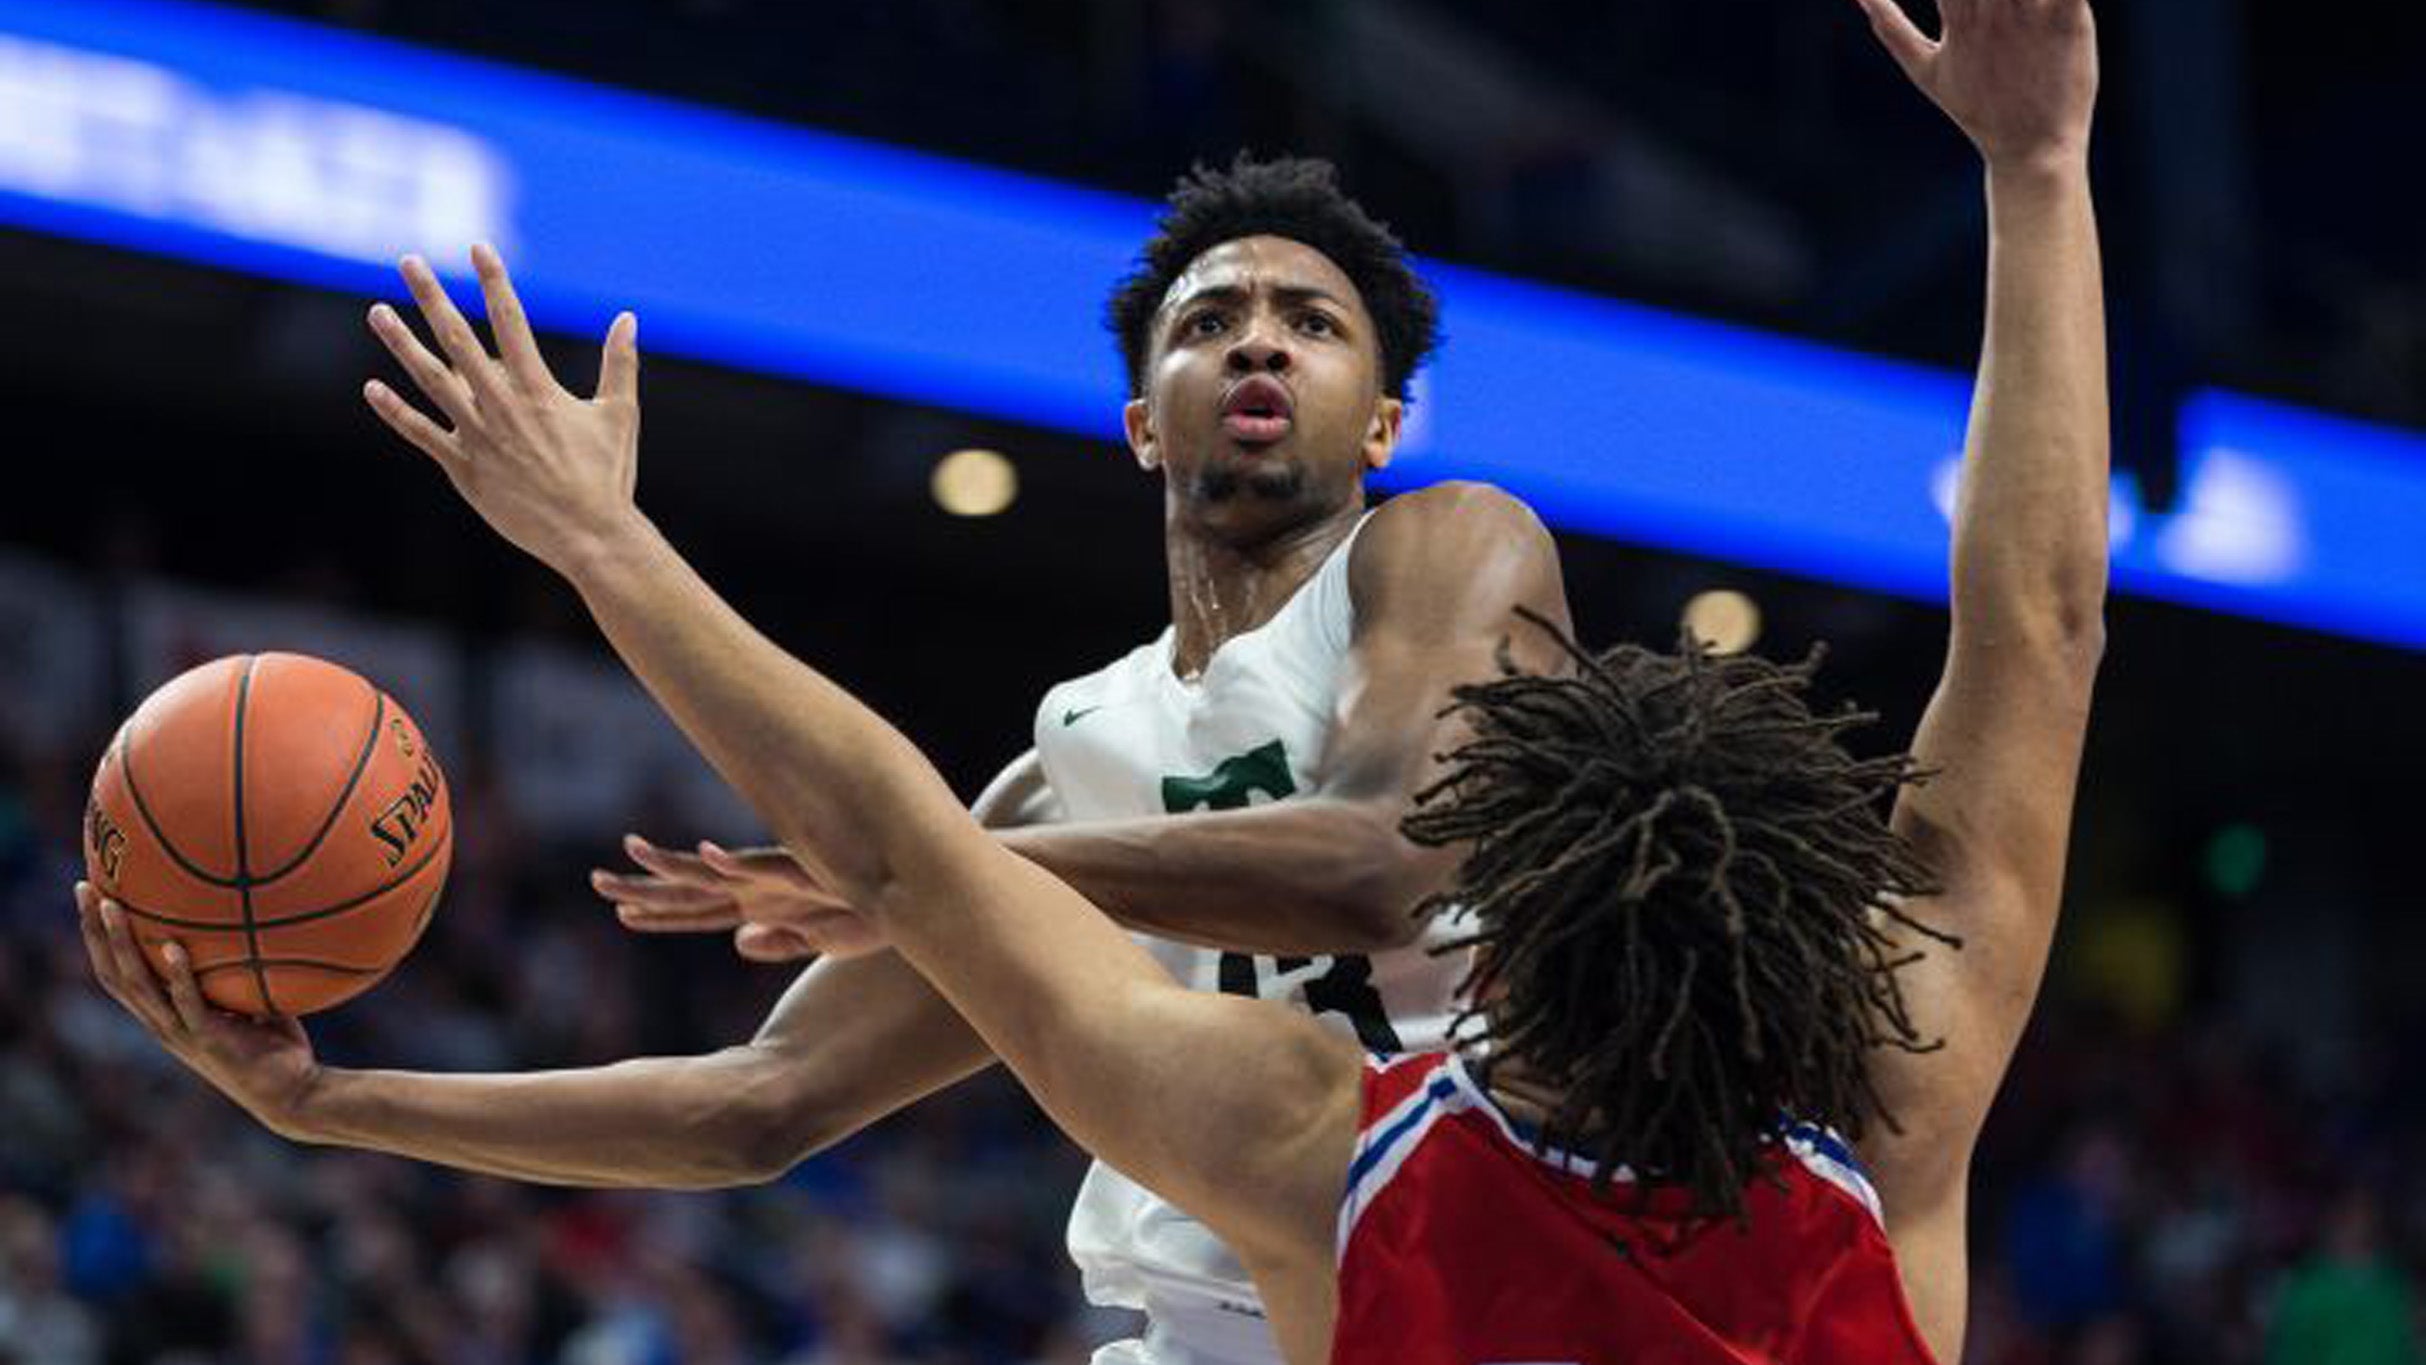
(654, 1123)
(1310, 875)
(2030, 534)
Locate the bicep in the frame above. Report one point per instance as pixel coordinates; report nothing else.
(2001, 741)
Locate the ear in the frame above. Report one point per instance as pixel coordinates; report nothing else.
(1137, 419)
(1381, 434)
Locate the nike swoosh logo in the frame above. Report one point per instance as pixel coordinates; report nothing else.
(1070, 718)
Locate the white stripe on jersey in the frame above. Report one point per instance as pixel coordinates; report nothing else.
(1387, 1143)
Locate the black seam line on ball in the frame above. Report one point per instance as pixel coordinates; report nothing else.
(362, 762)
(428, 908)
(244, 878)
(126, 761)
(300, 916)
(258, 963)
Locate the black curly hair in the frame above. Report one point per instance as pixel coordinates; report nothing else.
(1294, 197)
(1685, 895)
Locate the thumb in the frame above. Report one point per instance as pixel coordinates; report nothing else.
(1903, 39)
(619, 363)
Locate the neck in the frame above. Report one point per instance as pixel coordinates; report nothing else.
(1223, 587)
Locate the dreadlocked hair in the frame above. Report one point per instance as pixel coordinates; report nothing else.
(1298, 198)
(1684, 892)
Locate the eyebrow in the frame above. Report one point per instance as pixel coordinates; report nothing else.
(1232, 293)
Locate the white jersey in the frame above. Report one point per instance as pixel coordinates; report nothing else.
(1134, 739)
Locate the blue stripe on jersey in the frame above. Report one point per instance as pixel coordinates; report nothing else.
(1829, 1145)
(1437, 1089)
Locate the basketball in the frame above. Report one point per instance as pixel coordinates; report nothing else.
(281, 818)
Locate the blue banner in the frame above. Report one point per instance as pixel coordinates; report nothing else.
(319, 156)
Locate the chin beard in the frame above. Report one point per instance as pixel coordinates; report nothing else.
(1261, 483)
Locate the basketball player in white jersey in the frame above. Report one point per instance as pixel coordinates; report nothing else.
(1231, 789)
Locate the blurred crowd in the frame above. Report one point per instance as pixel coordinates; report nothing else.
(2172, 1193)
(143, 1219)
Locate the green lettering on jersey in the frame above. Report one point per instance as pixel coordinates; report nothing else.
(1233, 782)
(1340, 985)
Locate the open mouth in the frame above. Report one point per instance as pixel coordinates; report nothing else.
(1257, 411)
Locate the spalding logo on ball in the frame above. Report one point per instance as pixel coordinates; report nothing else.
(281, 818)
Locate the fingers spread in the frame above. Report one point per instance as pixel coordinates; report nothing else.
(515, 344)
(455, 336)
(430, 374)
(408, 422)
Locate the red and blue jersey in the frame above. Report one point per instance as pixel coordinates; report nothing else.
(1461, 1242)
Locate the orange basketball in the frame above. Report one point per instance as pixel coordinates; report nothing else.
(281, 818)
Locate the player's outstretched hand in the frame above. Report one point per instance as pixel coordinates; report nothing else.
(548, 470)
(264, 1065)
(2019, 77)
(775, 909)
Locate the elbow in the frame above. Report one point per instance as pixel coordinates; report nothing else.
(2058, 619)
(2074, 631)
(2077, 611)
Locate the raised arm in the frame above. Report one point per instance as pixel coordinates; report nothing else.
(849, 1043)
(1240, 1112)
(2004, 730)
(1436, 578)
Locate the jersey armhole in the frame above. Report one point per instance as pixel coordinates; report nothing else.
(1334, 604)
(1390, 1127)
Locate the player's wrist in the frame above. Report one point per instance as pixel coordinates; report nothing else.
(596, 552)
(304, 1109)
(2045, 164)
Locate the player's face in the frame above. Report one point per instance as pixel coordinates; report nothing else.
(1263, 401)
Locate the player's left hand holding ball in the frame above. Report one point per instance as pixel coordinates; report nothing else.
(549, 470)
(265, 1065)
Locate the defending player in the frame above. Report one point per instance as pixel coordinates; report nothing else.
(1249, 1116)
(1691, 923)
